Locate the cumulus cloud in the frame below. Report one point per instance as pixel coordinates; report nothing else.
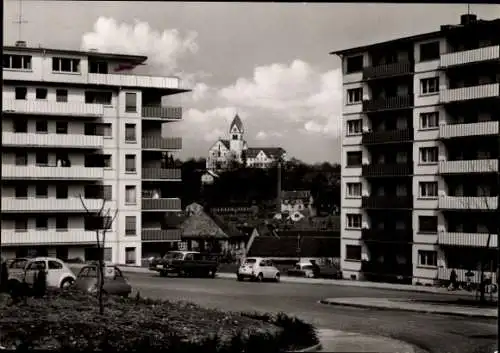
(264, 135)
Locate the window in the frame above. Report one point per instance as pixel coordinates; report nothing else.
(429, 154)
(107, 192)
(130, 255)
(429, 120)
(42, 191)
(98, 67)
(21, 92)
(354, 221)
(107, 161)
(42, 126)
(21, 158)
(354, 159)
(429, 51)
(427, 258)
(61, 191)
(55, 265)
(429, 85)
(20, 126)
(130, 133)
(428, 189)
(61, 95)
(130, 225)
(17, 62)
(21, 192)
(131, 102)
(36, 266)
(42, 159)
(427, 224)
(61, 127)
(41, 222)
(107, 130)
(353, 252)
(98, 97)
(353, 189)
(61, 223)
(235, 137)
(41, 93)
(354, 127)
(130, 194)
(21, 224)
(65, 65)
(130, 163)
(354, 64)
(354, 95)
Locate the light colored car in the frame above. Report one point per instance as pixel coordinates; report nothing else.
(59, 275)
(114, 281)
(302, 269)
(258, 269)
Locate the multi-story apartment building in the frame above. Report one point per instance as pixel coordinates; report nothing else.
(420, 155)
(81, 124)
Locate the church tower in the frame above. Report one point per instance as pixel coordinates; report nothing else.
(236, 142)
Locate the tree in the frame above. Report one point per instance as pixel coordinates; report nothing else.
(101, 223)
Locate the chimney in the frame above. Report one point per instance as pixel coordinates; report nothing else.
(468, 19)
(21, 44)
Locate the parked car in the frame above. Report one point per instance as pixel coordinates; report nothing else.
(59, 275)
(258, 269)
(17, 265)
(186, 263)
(115, 283)
(301, 269)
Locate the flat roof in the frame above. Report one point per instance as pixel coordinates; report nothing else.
(138, 59)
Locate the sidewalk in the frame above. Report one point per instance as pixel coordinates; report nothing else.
(405, 305)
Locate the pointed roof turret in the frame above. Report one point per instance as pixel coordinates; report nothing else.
(238, 123)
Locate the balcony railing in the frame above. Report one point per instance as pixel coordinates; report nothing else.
(52, 108)
(387, 170)
(51, 204)
(52, 140)
(12, 237)
(387, 202)
(383, 137)
(468, 202)
(160, 235)
(167, 113)
(160, 143)
(387, 70)
(10, 171)
(470, 56)
(389, 103)
(476, 240)
(387, 235)
(161, 174)
(469, 166)
(135, 81)
(444, 274)
(171, 204)
(463, 130)
(469, 93)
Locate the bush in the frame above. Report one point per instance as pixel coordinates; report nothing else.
(68, 320)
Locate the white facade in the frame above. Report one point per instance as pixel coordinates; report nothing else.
(50, 116)
(433, 160)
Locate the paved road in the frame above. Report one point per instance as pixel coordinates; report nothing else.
(433, 333)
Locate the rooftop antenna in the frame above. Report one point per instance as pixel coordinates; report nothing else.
(20, 20)
(468, 9)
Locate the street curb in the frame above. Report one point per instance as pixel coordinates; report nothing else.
(315, 348)
(424, 311)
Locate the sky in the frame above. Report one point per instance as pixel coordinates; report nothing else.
(268, 62)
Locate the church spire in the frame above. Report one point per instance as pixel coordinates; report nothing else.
(236, 123)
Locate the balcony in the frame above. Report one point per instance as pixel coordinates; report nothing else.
(171, 204)
(11, 237)
(10, 171)
(135, 81)
(52, 108)
(444, 274)
(389, 103)
(387, 235)
(470, 166)
(160, 143)
(383, 137)
(475, 240)
(468, 202)
(470, 56)
(387, 170)
(387, 70)
(46, 205)
(24, 140)
(161, 174)
(160, 235)
(469, 93)
(464, 130)
(162, 113)
(387, 202)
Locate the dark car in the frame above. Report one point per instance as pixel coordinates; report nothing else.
(186, 263)
(114, 281)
